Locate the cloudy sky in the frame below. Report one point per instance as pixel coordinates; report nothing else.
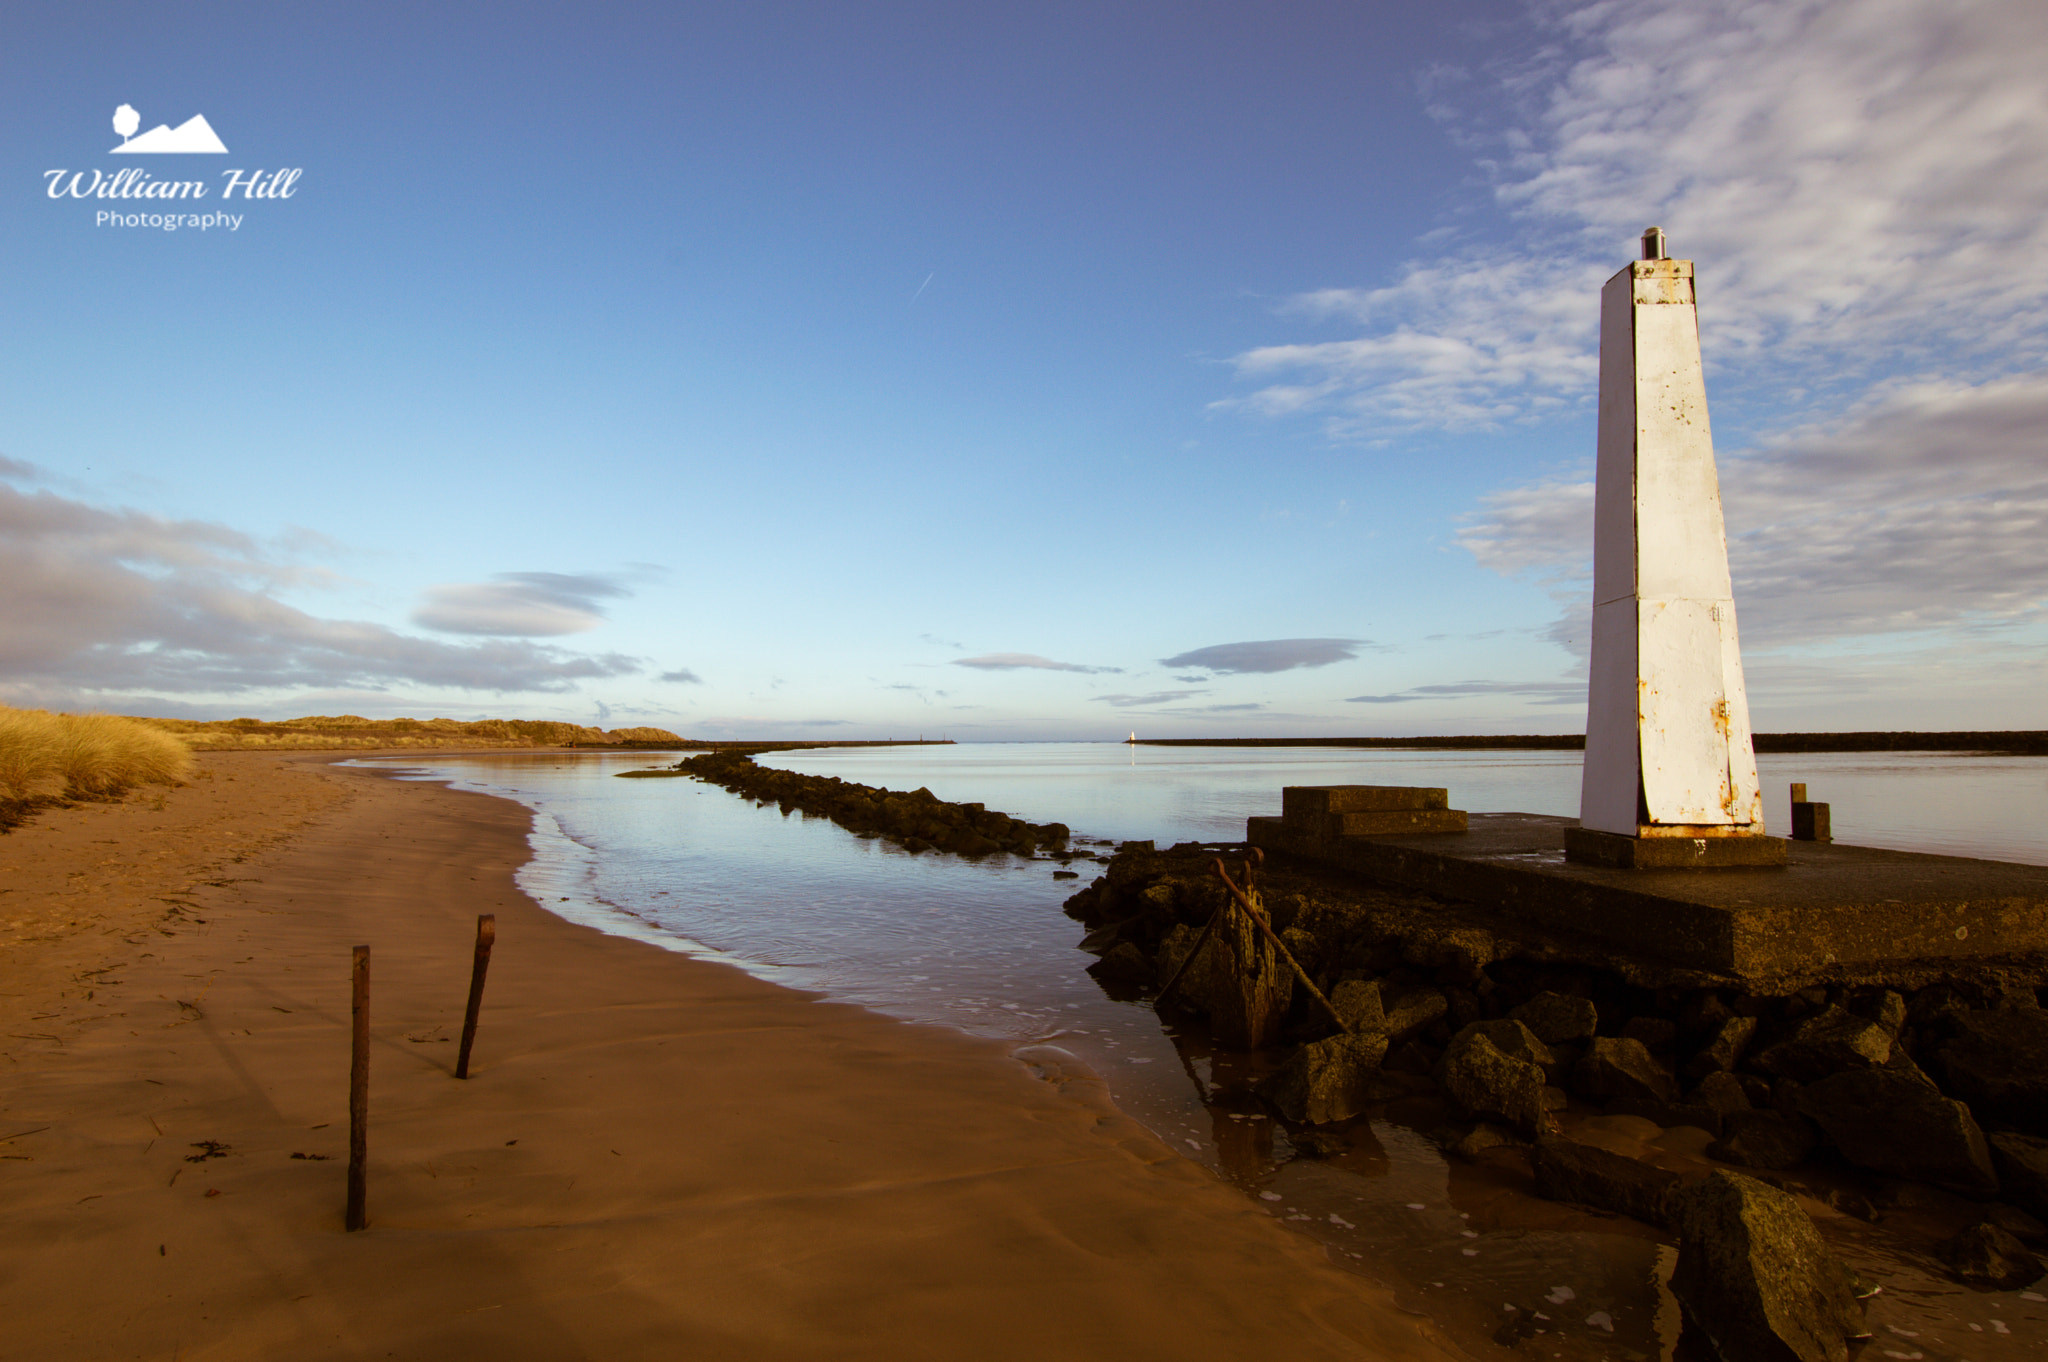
(1029, 371)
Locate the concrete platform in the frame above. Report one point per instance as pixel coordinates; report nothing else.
(1829, 911)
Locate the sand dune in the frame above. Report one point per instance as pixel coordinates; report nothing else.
(655, 1157)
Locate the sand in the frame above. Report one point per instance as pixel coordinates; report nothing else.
(654, 1157)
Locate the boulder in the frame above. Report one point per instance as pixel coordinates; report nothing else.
(1762, 1139)
(1604, 1180)
(1488, 1083)
(1721, 1091)
(2013, 1220)
(2021, 1162)
(1884, 1007)
(1614, 1066)
(1328, 1080)
(1725, 1049)
(1462, 952)
(1557, 1018)
(1893, 1121)
(1358, 1002)
(1515, 1040)
(1998, 1063)
(1125, 964)
(1986, 1256)
(1483, 1137)
(1754, 1277)
(1411, 1008)
(1828, 1043)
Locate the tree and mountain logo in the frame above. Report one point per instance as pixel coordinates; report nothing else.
(195, 134)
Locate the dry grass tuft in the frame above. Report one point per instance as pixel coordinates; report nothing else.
(93, 756)
(28, 750)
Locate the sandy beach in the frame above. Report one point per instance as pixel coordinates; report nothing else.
(655, 1156)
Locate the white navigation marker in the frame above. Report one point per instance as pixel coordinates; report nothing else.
(1669, 764)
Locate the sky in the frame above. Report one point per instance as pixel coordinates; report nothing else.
(1041, 371)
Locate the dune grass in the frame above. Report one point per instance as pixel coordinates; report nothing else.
(346, 732)
(46, 758)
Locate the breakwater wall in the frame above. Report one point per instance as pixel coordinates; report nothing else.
(916, 821)
(1945, 1083)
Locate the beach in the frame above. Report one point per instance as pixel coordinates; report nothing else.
(655, 1155)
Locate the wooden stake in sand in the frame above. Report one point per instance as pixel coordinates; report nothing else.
(359, 1089)
(486, 933)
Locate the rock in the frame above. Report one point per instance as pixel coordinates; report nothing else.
(1998, 1063)
(1461, 951)
(1614, 1066)
(1125, 964)
(1327, 1080)
(1410, 1009)
(1488, 1083)
(2015, 1221)
(1754, 1276)
(2021, 1162)
(1516, 1041)
(1762, 1139)
(1723, 1092)
(1702, 1015)
(1884, 1007)
(1893, 1121)
(1986, 1256)
(1594, 1177)
(1484, 1136)
(1654, 1032)
(1725, 1050)
(1828, 1043)
(1358, 1002)
(1557, 1018)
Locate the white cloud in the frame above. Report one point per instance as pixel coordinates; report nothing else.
(518, 605)
(1925, 507)
(101, 602)
(1146, 701)
(1864, 184)
(1005, 662)
(1537, 692)
(1266, 655)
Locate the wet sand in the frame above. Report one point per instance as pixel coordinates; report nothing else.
(655, 1156)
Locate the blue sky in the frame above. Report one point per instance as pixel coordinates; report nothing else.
(1045, 372)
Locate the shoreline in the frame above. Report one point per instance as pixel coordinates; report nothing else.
(654, 1152)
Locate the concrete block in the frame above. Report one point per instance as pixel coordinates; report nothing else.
(1387, 822)
(1326, 799)
(1810, 822)
(1828, 907)
(1588, 846)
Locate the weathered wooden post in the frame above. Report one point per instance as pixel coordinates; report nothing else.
(1670, 773)
(486, 933)
(358, 1089)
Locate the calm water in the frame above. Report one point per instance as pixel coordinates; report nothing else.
(985, 948)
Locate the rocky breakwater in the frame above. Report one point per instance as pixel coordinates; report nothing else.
(917, 821)
(1864, 1096)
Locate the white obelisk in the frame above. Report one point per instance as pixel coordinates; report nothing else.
(1668, 752)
